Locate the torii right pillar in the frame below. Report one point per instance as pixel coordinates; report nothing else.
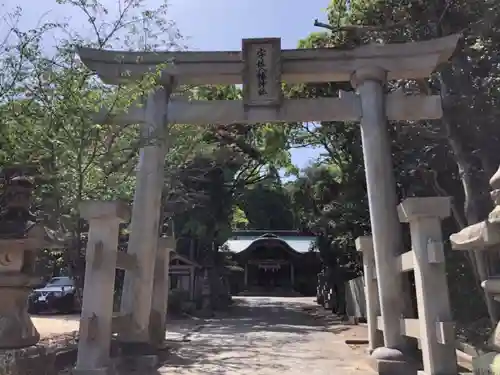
(382, 199)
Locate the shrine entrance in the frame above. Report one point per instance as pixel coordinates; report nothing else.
(271, 274)
(274, 261)
(269, 264)
(261, 67)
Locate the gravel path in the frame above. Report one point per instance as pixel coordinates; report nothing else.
(266, 335)
(49, 325)
(260, 336)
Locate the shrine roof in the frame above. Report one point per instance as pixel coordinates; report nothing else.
(298, 241)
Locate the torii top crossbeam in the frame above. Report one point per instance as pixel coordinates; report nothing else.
(262, 66)
(405, 60)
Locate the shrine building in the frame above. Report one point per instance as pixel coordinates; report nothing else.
(275, 260)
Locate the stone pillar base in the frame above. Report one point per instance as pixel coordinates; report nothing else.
(142, 362)
(387, 361)
(157, 329)
(137, 356)
(488, 363)
(16, 328)
(94, 371)
(136, 348)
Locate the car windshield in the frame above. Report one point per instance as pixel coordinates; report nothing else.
(60, 281)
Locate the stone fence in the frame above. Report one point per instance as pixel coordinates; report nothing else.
(433, 328)
(98, 321)
(355, 299)
(50, 356)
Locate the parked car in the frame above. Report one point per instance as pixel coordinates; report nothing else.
(58, 295)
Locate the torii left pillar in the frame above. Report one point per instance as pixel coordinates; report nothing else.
(158, 317)
(143, 240)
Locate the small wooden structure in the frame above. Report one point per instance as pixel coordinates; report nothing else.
(183, 274)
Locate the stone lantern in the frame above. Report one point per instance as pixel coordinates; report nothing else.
(20, 237)
(485, 236)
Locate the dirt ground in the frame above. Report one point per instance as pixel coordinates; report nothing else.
(49, 325)
(259, 336)
(268, 335)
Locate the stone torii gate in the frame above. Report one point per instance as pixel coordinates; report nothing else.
(262, 67)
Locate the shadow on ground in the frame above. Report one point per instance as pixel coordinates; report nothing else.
(252, 330)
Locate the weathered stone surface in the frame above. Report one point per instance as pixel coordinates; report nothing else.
(46, 358)
(495, 180)
(97, 306)
(423, 207)
(137, 293)
(494, 216)
(388, 361)
(476, 236)
(409, 60)
(355, 298)
(495, 196)
(20, 235)
(487, 364)
(99, 371)
(159, 303)
(494, 340)
(388, 354)
(156, 327)
(492, 285)
(16, 327)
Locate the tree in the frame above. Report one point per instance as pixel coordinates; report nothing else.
(454, 156)
(47, 109)
(267, 206)
(228, 159)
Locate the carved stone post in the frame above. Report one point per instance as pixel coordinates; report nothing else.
(365, 246)
(382, 200)
(97, 310)
(143, 240)
(158, 318)
(437, 334)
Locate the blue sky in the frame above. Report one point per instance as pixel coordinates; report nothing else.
(215, 25)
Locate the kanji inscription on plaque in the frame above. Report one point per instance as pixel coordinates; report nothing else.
(262, 72)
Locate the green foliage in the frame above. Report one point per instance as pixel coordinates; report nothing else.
(454, 156)
(239, 219)
(205, 189)
(267, 207)
(222, 177)
(48, 98)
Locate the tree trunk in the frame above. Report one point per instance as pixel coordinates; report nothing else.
(472, 197)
